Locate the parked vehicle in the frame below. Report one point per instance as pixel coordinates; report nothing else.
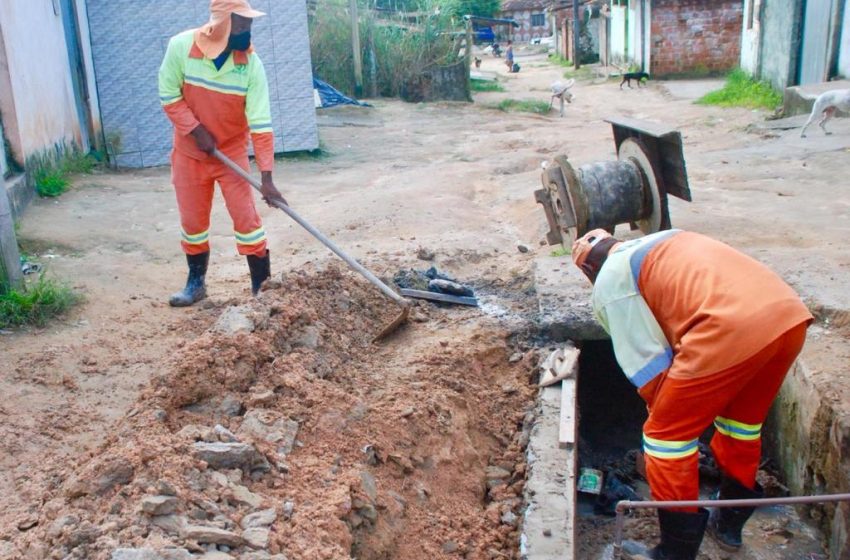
(483, 34)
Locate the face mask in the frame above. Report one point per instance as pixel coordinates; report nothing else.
(239, 41)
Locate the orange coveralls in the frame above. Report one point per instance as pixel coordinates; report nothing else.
(230, 102)
(735, 329)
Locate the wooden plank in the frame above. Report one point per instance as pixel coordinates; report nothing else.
(10, 259)
(434, 296)
(567, 424)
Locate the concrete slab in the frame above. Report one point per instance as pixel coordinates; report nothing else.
(20, 194)
(798, 100)
(548, 524)
(563, 294)
(691, 89)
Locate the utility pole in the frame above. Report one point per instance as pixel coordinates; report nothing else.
(355, 47)
(10, 259)
(576, 27)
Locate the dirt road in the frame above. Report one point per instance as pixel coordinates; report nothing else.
(452, 178)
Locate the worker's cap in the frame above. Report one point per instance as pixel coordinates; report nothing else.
(584, 244)
(212, 37)
(221, 9)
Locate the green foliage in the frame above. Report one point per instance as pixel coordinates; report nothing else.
(36, 304)
(51, 182)
(395, 51)
(560, 252)
(459, 8)
(50, 170)
(743, 91)
(560, 60)
(524, 106)
(485, 85)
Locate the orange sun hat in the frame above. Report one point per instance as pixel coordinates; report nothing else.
(212, 37)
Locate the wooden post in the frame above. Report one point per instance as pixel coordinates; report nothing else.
(355, 47)
(576, 33)
(10, 259)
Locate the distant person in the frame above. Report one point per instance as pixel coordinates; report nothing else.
(509, 56)
(706, 334)
(213, 88)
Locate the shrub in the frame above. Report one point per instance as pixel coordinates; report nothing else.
(485, 85)
(743, 91)
(36, 304)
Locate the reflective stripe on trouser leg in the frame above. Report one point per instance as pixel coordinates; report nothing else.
(672, 468)
(737, 448)
(193, 186)
(239, 197)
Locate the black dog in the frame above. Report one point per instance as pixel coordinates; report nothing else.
(629, 76)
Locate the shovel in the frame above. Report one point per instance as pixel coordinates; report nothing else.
(405, 305)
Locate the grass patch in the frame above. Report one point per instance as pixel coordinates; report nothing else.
(524, 106)
(36, 304)
(51, 170)
(560, 252)
(484, 85)
(51, 182)
(559, 60)
(743, 91)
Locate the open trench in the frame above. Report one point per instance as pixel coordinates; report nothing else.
(284, 433)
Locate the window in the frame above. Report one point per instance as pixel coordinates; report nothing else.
(538, 20)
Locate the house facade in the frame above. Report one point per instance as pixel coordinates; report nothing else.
(669, 37)
(532, 17)
(82, 75)
(795, 42)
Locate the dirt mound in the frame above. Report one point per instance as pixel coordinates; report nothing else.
(283, 431)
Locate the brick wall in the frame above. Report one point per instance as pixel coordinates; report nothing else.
(695, 35)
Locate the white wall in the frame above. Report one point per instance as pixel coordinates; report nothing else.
(750, 37)
(844, 45)
(618, 33)
(36, 95)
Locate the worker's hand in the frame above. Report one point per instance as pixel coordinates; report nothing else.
(203, 138)
(269, 191)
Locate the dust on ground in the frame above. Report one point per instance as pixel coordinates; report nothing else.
(107, 389)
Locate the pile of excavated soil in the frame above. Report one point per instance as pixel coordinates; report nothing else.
(283, 432)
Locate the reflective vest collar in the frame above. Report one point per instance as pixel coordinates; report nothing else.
(240, 58)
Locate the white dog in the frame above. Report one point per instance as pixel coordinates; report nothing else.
(560, 90)
(826, 104)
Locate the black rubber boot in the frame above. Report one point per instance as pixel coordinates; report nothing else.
(195, 289)
(260, 268)
(725, 524)
(681, 536)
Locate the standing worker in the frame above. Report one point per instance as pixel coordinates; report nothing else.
(213, 88)
(706, 334)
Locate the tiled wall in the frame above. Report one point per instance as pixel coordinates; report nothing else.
(129, 38)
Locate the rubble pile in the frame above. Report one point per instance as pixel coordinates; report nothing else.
(283, 433)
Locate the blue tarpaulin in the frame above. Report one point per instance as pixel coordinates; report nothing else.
(331, 97)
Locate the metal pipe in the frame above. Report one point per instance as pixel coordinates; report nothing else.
(624, 505)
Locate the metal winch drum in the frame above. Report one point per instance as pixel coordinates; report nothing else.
(632, 190)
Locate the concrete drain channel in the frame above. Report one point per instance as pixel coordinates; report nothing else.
(585, 459)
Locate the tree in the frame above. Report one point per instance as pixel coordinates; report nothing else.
(458, 8)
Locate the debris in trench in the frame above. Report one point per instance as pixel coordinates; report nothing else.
(434, 286)
(613, 491)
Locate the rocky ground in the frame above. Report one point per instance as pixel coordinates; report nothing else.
(270, 428)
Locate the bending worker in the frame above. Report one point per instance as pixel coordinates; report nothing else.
(707, 335)
(213, 88)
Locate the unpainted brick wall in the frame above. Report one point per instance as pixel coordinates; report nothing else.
(695, 35)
